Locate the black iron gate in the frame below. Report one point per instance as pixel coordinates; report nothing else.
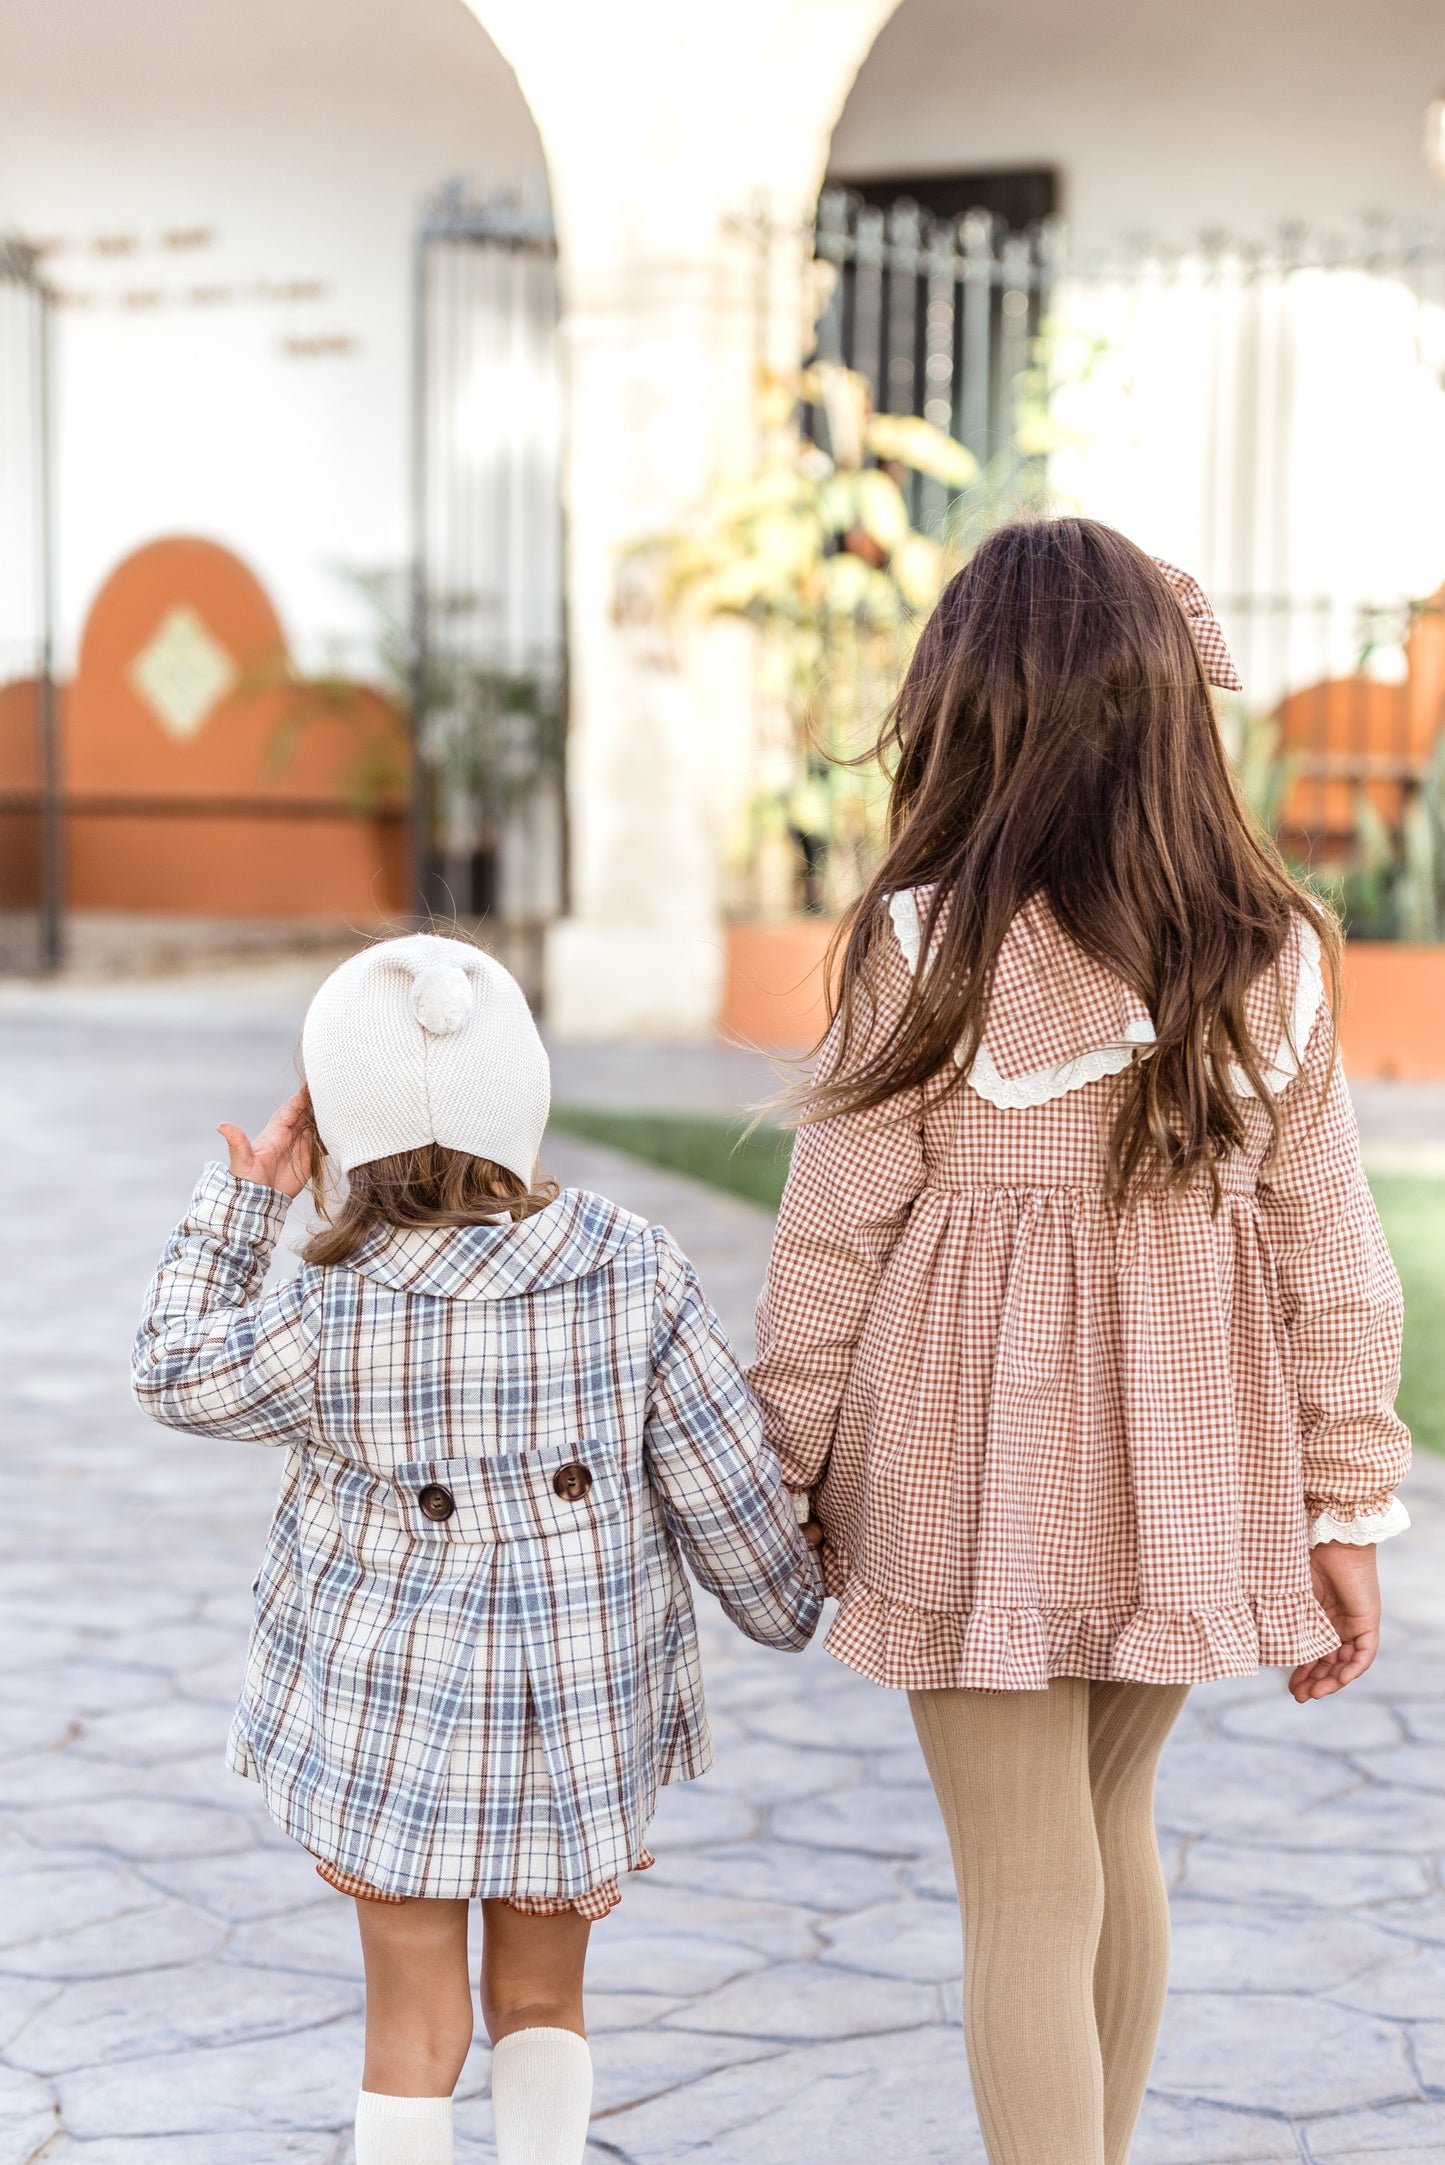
(939, 314)
(488, 693)
(30, 871)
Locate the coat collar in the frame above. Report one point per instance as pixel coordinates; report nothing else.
(1058, 1020)
(572, 1238)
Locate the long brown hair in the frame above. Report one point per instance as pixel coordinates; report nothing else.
(428, 1186)
(1055, 737)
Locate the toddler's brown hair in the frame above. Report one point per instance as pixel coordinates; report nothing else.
(426, 1186)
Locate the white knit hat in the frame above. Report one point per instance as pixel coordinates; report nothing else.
(425, 1040)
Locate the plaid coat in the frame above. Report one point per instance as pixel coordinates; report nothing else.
(474, 1657)
(1047, 1436)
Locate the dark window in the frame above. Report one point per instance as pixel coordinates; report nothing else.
(1017, 199)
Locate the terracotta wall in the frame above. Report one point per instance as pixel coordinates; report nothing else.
(197, 778)
(19, 779)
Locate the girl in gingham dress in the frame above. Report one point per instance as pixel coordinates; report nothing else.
(1080, 1326)
(507, 1413)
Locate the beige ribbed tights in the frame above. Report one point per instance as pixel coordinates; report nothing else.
(1048, 1797)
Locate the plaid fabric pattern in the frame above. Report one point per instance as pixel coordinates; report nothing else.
(1204, 624)
(1046, 1436)
(485, 1703)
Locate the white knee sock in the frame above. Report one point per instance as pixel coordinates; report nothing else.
(403, 2130)
(541, 2097)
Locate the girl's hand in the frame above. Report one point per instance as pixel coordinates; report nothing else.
(280, 1157)
(1347, 1588)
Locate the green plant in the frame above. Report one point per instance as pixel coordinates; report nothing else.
(817, 551)
(1395, 887)
(1266, 775)
(375, 773)
(490, 735)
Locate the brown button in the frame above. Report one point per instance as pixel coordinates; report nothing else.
(437, 1502)
(572, 1482)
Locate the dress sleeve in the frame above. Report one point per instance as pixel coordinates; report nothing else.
(1342, 1306)
(716, 1474)
(211, 1355)
(851, 1185)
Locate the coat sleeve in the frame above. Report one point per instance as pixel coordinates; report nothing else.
(1342, 1305)
(707, 1457)
(210, 1355)
(851, 1185)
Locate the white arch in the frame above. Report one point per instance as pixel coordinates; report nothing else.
(659, 121)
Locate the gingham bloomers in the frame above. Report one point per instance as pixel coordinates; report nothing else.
(1050, 1437)
(483, 1701)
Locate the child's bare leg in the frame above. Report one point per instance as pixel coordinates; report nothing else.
(418, 1996)
(532, 1970)
(532, 2005)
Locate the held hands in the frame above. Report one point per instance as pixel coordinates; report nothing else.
(280, 1157)
(1347, 1588)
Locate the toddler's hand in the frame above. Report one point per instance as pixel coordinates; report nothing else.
(1347, 1588)
(813, 1533)
(280, 1157)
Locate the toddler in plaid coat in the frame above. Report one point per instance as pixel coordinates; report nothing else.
(507, 1413)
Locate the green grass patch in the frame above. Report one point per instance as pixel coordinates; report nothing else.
(721, 1155)
(1412, 1210)
(706, 1147)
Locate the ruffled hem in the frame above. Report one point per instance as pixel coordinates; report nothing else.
(597, 1903)
(997, 1649)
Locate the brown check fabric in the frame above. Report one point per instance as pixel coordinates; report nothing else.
(1204, 624)
(1048, 1436)
(597, 1903)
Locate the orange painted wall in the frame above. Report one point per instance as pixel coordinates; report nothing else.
(219, 860)
(1393, 1023)
(773, 983)
(235, 867)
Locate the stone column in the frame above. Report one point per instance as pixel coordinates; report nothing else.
(662, 122)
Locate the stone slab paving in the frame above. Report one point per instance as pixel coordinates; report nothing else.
(177, 1988)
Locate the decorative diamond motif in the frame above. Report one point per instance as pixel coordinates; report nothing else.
(182, 672)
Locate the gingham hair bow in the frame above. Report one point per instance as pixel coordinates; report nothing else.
(1204, 625)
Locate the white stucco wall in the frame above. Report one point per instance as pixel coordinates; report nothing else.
(306, 136)
(1166, 115)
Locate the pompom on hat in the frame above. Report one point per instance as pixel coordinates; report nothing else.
(426, 1040)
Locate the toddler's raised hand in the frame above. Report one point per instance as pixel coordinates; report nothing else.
(280, 1157)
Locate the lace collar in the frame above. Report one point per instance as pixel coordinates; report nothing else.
(1058, 1020)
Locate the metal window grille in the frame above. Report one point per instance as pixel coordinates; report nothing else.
(488, 657)
(30, 862)
(938, 314)
(1241, 411)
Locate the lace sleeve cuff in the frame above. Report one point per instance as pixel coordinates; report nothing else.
(1363, 1530)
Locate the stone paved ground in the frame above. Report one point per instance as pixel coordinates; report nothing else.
(176, 1987)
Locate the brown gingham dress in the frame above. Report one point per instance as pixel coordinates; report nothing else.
(1047, 1436)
